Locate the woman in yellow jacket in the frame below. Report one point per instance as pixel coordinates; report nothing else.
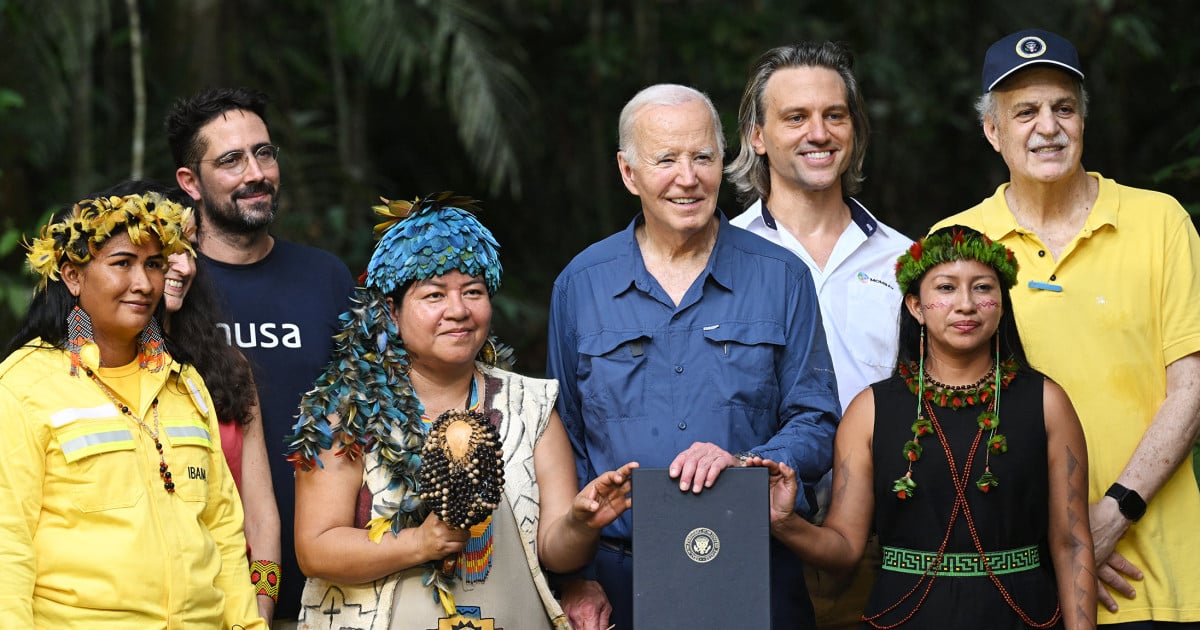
(117, 509)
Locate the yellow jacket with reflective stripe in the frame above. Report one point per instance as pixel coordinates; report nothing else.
(89, 538)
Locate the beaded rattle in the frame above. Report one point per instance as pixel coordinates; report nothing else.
(462, 470)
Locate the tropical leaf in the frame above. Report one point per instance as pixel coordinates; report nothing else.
(466, 64)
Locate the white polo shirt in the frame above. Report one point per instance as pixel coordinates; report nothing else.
(860, 300)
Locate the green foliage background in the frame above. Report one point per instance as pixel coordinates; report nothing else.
(515, 102)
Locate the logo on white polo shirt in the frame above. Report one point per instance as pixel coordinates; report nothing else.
(864, 278)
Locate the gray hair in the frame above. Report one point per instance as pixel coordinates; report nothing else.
(986, 105)
(655, 95)
(750, 172)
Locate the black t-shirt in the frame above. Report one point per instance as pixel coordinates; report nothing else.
(282, 313)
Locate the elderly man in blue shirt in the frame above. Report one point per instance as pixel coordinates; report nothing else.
(683, 342)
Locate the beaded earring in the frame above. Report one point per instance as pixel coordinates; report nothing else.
(150, 346)
(79, 334)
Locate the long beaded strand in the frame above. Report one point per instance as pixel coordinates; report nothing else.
(991, 421)
(905, 487)
(164, 471)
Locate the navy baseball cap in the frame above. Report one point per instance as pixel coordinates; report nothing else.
(1026, 48)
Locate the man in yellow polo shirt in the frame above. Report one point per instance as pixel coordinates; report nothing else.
(1108, 302)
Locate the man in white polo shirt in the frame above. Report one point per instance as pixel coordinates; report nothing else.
(804, 137)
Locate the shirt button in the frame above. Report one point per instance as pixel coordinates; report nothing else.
(1053, 277)
(1041, 253)
(682, 426)
(679, 370)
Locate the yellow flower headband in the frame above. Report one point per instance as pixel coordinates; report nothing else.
(93, 221)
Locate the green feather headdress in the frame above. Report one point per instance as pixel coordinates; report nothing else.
(951, 244)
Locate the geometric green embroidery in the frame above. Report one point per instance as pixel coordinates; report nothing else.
(961, 564)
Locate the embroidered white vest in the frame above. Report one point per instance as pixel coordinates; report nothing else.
(525, 405)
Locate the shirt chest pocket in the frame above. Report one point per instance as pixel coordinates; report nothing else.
(190, 457)
(872, 319)
(102, 465)
(612, 369)
(744, 356)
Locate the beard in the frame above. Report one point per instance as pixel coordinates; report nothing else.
(227, 216)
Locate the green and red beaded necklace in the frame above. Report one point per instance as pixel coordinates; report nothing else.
(929, 392)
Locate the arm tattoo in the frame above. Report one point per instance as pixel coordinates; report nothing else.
(842, 479)
(1084, 572)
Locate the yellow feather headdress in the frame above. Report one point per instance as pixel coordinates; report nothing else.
(91, 222)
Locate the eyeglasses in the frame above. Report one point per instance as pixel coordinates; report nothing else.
(235, 162)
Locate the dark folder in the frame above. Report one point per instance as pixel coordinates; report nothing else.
(701, 561)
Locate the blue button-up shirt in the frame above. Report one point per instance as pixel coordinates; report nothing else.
(741, 362)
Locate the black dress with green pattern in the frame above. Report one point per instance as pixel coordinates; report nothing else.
(1010, 521)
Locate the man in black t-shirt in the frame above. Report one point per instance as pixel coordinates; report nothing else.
(280, 300)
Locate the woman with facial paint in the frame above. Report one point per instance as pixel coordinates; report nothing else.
(970, 465)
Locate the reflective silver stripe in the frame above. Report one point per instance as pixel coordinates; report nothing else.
(197, 397)
(71, 414)
(188, 432)
(94, 439)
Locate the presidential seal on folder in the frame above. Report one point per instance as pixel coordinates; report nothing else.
(701, 561)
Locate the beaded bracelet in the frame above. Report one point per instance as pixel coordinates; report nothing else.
(264, 575)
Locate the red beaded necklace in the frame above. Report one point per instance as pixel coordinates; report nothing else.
(164, 471)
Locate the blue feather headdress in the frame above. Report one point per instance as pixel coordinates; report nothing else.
(429, 237)
(366, 383)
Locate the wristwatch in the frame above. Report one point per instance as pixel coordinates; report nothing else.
(1128, 501)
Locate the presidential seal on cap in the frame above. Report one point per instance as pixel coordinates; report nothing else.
(1027, 48)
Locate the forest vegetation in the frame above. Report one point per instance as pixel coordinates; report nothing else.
(515, 102)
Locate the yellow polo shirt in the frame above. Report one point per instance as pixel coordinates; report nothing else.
(1120, 304)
